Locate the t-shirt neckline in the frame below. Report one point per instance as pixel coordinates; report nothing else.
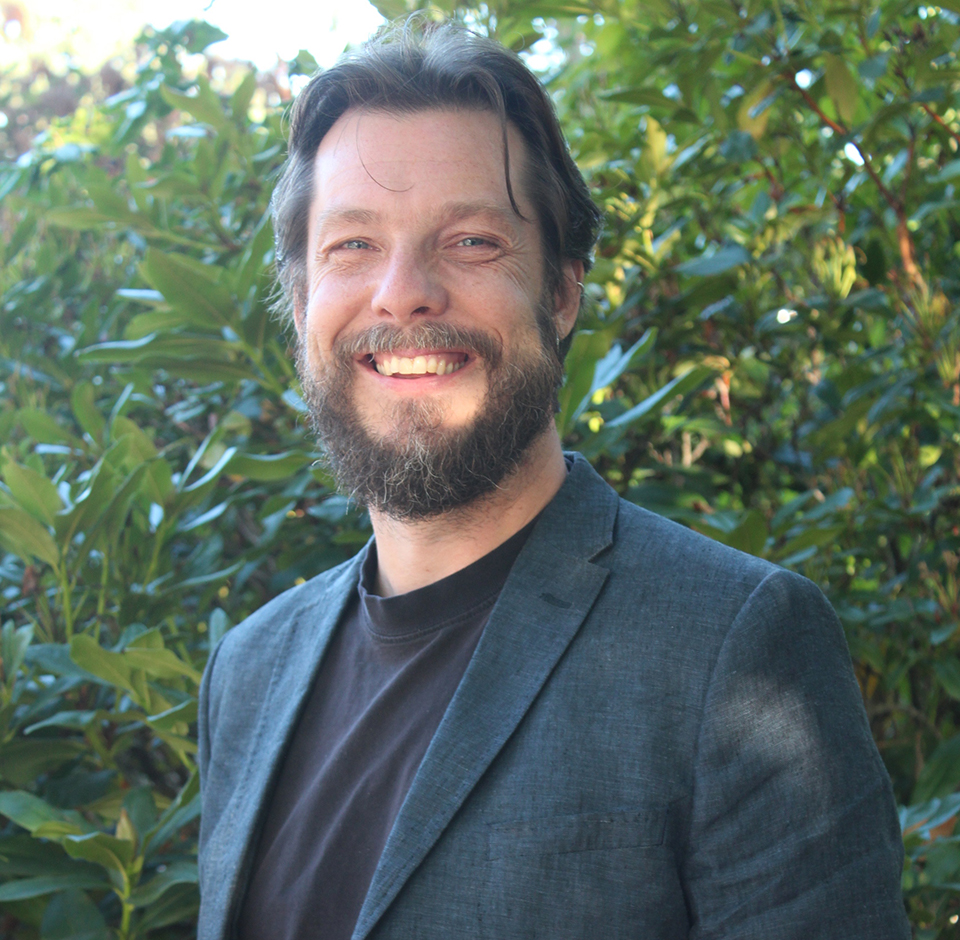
(441, 604)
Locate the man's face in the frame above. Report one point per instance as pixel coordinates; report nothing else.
(427, 345)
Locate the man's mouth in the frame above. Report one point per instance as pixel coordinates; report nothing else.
(426, 363)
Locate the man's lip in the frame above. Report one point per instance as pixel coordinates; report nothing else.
(412, 353)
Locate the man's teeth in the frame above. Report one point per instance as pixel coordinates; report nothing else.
(418, 365)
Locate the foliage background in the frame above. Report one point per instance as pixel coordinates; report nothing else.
(770, 354)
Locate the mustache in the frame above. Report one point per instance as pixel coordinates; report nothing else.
(384, 338)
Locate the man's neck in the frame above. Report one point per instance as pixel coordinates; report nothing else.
(411, 555)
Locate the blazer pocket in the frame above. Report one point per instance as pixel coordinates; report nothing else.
(583, 832)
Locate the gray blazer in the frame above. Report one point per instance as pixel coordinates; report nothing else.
(658, 737)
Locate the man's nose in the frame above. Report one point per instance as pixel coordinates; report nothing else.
(409, 287)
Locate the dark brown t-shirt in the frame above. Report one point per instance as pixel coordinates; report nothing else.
(382, 688)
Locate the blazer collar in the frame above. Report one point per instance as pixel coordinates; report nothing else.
(549, 592)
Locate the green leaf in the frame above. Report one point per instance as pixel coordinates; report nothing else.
(71, 915)
(196, 35)
(253, 264)
(219, 625)
(587, 348)
(21, 855)
(176, 873)
(30, 812)
(875, 67)
(941, 773)
(616, 362)
(652, 97)
(112, 854)
(113, 518)
(681, 385)
(90, 506)
(83, 403)
(197, 294)
(168, 720)
(70, 718)
(268, 467)
(88, 654)
(948, 672)
(203, 105)
(13, 648)
(148, 640)
(41, 427)
(204, 371)
(80, 218)
(141, 809)
(139, 448)
(613, 365)
(655, 161)
(21, 534)
(164, 663)
(753, 115)
(182, 811)
(157, 347)
(841, 87)
(178, 905)
(303, 64)
(949, 171)
(240, 99)
(722, 260)
(748, 534)
(48, 884)
(32, 491)
(810, 538)
(214, 473)
(22, 760)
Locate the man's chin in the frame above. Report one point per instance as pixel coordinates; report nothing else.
(408, 427)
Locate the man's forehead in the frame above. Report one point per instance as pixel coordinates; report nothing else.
(483, 123)
(330, 216)
(439, 153)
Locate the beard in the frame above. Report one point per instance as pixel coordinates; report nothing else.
(419, 469)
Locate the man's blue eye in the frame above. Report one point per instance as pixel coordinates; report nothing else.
(356, 243)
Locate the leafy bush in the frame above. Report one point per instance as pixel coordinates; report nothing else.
(771, 354)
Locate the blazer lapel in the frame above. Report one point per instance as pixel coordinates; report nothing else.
(294, 669)
(544, 602)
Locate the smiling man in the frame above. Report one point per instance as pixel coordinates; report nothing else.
(429, 352)
(526, 708)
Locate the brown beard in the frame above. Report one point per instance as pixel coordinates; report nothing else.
(421, 469)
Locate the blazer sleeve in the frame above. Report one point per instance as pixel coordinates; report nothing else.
(793, 829)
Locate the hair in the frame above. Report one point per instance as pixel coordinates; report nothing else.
(416, 67)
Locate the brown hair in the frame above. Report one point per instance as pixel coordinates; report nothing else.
(417, 67)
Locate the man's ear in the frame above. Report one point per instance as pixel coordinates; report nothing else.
(567, 304)
(298, 315)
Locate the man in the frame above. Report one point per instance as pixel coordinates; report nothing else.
(526, 709)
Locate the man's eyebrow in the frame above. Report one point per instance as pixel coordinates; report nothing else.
(463, 210)
(339, 215)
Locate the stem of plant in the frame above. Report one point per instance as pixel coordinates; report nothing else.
(67, 605)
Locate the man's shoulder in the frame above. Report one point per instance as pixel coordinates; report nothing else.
(647, 554)
(268, 629)
(632, 538)
(643, 538)
(688, 583)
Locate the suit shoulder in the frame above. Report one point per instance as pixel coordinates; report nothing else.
(687, 576)
(645, 537)
(266, 627)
